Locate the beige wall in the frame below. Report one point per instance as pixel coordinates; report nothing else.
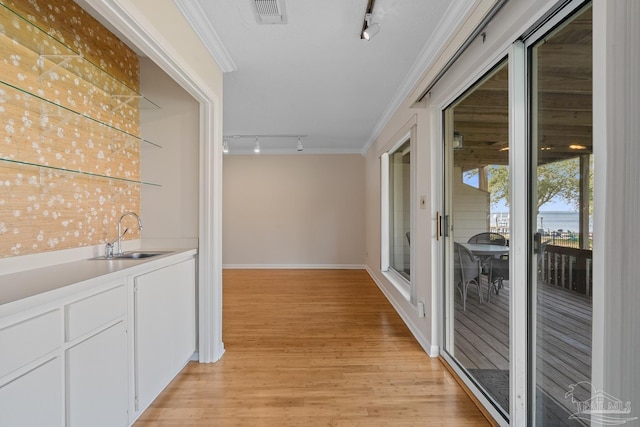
(169, 211)
(165, 23)
(427, 160)
(293, 210)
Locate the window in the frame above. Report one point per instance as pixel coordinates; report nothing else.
(396, 211)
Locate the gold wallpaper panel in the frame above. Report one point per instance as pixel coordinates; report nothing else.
(59, 112)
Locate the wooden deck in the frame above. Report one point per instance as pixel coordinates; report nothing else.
(563, 339)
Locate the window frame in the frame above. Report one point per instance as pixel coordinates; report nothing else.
(402, 284)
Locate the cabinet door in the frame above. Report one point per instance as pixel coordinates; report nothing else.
(34, 399)
(97, 379)
(165, 327)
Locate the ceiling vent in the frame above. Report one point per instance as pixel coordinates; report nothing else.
(270, 11)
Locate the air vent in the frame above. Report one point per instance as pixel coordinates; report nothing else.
(270, 11)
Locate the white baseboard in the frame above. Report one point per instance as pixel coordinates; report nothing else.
(431, 350)
(296, 266)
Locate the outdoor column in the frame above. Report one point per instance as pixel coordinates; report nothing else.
(584, 201)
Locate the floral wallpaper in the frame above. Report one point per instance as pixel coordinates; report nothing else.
(69, 146)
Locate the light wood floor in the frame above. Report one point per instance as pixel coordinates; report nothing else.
(310, 348)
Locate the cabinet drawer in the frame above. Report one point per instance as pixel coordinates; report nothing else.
(24, 342)
(35, 398)
(90, 313)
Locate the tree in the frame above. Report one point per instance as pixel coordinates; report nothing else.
(557, 179)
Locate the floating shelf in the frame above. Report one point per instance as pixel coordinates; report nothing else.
(78, 172)
(46, 109)
(49, 49)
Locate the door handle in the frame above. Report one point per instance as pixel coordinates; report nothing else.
(442, 225)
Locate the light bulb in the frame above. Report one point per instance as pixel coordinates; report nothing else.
(371, 31)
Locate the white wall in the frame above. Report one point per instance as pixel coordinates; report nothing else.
(616, 270)
(293, 211)
(169, 212)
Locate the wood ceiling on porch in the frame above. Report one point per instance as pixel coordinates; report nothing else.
(563, 91)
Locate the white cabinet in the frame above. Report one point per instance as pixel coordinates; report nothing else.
(31, 381)
(29, 339)
(35, 398)
(96, 359)
(97, 385)
(165, 327)
(98, 354)
(67, 363)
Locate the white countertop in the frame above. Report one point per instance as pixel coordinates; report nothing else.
(43, 284)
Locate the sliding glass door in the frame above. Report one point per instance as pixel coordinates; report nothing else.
(516, 227)
(560, 70)
(476, 221)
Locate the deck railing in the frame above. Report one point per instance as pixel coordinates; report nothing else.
(570, 268)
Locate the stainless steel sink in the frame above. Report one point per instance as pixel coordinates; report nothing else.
(134, 255)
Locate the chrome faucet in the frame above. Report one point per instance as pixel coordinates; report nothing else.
(109, 253)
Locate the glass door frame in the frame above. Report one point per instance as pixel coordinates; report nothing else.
(444, 233)
(524, 52)
(522, 224)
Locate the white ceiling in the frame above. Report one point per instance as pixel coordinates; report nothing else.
(314, 76)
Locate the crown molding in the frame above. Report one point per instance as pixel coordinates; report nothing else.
(196, 17)
(453, 19)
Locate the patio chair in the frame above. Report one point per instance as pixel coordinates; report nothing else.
(498, 271)
(489, 238)
(466, 271)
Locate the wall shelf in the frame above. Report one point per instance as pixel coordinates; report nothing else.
(34, 104)
(53, 53)
(78, 172)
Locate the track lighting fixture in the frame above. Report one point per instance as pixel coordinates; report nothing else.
(242, 147)
(371, 28)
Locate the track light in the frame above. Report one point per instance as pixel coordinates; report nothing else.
(371, 28)
(242, 147)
